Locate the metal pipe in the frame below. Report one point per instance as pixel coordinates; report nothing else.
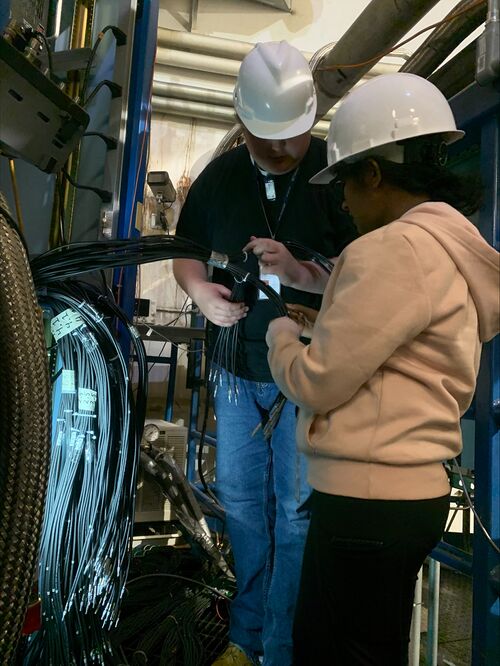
(416, 623)
(215, 46)
(445, 38)
(192, 93)
(379, 26)
(224, 114)
(198, 94)
(197, 62)
(433, 617)
(216, 65)
(220, 46)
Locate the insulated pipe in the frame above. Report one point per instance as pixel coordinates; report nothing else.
(219, 46)
(192, 93)
(215, 46)
(379, 27)
(197, 62)
(215, 65)
(197, 94)
(225, 114)
(445, 38)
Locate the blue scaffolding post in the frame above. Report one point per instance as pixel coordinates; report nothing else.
(478, 109)
(136, 144)
(486, 562)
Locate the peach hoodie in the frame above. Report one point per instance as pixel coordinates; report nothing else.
(394, 356)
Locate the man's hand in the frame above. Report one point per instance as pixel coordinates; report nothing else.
(213, 301)
(274, 258)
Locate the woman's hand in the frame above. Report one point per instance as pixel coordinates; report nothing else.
(303, 316)
(281, 324)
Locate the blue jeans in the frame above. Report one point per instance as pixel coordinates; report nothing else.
(261, 485)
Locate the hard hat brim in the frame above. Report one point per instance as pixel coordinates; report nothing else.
(276, 131)
(328, 174)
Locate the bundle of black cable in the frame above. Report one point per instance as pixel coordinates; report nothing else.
(175, 610)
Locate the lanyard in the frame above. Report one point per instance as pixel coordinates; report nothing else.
(283, 205)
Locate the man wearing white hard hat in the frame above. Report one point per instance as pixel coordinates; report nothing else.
(389, 372)
(260, 189)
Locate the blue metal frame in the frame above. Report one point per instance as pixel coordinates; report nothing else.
(137, 138)
(478, 107)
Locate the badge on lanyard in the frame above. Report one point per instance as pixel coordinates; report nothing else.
(271, 280)
(270, 189)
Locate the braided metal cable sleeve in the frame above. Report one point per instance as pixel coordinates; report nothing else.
(24, 435)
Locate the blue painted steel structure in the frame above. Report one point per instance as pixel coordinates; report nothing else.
(478, 110)
(137, 139)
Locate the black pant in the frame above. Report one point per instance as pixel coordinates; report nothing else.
(360, 566)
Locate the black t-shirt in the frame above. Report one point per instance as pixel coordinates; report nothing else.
(227, 204)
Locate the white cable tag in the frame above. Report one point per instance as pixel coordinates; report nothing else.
(65, 323)
(68, 381)
(272, 281)
(86, 400)
(270, 189)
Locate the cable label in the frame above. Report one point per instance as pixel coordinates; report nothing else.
(68, 381)
(86, 400)
(65, 323)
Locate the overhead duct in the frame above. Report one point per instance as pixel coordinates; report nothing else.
(446, 37)
(380, 26)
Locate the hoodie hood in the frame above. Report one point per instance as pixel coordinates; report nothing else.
(477, 261)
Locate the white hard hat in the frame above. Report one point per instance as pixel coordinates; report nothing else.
(387, 109)
(274, 95)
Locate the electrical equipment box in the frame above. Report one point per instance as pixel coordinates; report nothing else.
(161, 186)
(151, 505)
(40, 123)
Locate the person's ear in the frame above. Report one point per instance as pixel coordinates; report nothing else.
(373, 174)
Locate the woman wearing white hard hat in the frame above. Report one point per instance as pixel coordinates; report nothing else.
(390, 369)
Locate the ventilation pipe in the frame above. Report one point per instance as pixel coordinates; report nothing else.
(381, 25)
(445, 38)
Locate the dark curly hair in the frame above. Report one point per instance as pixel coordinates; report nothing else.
(437, 182)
